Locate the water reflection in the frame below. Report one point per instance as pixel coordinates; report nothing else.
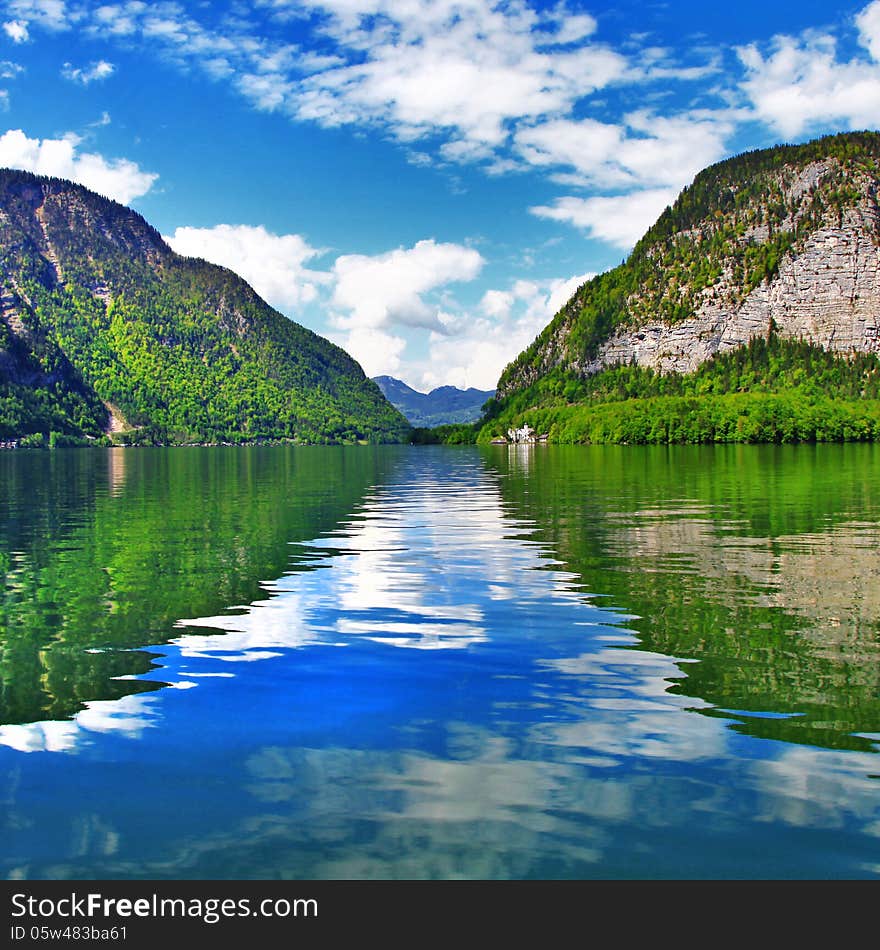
(437, 685)
(116, 464)
(128, 716)
(415, 567)
(101, 552)
(761, 564)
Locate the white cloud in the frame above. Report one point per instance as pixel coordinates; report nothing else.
(267, 92)
(587, 145)
(378, 351)
(10, 70)
(569, 28)
(388, 289)
(561, 291)
(274, 265)
(467, 68)
(373, 295)
(94, 71)
(868, 24)
(672, 150)
(54, 15)
(497, 303)
(442, 84)
(117, 178)
(165, 28)
(645, 150)
(117, 19)
(475, 348)
(618, 219)
(802, 83)
(16, 30)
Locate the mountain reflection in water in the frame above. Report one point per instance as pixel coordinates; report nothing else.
(446, 663)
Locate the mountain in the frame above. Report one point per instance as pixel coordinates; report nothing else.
(766, 269)
(446, 405)
(104, 329)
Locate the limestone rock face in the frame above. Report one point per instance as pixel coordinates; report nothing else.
(787, 239)
(829, 294)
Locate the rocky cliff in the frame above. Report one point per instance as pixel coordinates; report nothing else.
(786, 238)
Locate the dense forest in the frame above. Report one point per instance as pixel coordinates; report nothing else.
(772, 390)
(102, 323)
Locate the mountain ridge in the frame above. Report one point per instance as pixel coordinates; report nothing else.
(443, 405)
(745, 243)
(749, 312)
(100, 320)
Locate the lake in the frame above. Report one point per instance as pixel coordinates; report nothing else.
(441, 662)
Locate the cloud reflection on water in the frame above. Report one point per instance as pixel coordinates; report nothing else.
(587, 756)
(415, 568)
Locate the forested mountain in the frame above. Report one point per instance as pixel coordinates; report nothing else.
(103, 328)
(778, 248)
(445, 405)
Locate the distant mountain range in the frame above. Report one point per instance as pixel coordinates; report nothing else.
(446, 405)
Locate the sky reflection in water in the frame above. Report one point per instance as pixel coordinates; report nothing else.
(427, 693)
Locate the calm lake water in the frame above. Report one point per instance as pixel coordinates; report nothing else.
(431, 662)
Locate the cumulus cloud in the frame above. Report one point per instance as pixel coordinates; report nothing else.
(474, 348)
(274, 265)
(466, 68)
(116, 178)
(388, 289)
(868, 25)
(802, 82)
(16, 30)
(54, 15)
(374, 296)
(378, 352)
(561, 291)
(94, 71)
(644, 150)
(646, 159)
(618, 219)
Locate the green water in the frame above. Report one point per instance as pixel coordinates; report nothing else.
(761, 562)
(441, 662)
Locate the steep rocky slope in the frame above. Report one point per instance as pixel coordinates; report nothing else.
(786, 239)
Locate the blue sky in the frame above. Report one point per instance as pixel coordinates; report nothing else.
(423, 181)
